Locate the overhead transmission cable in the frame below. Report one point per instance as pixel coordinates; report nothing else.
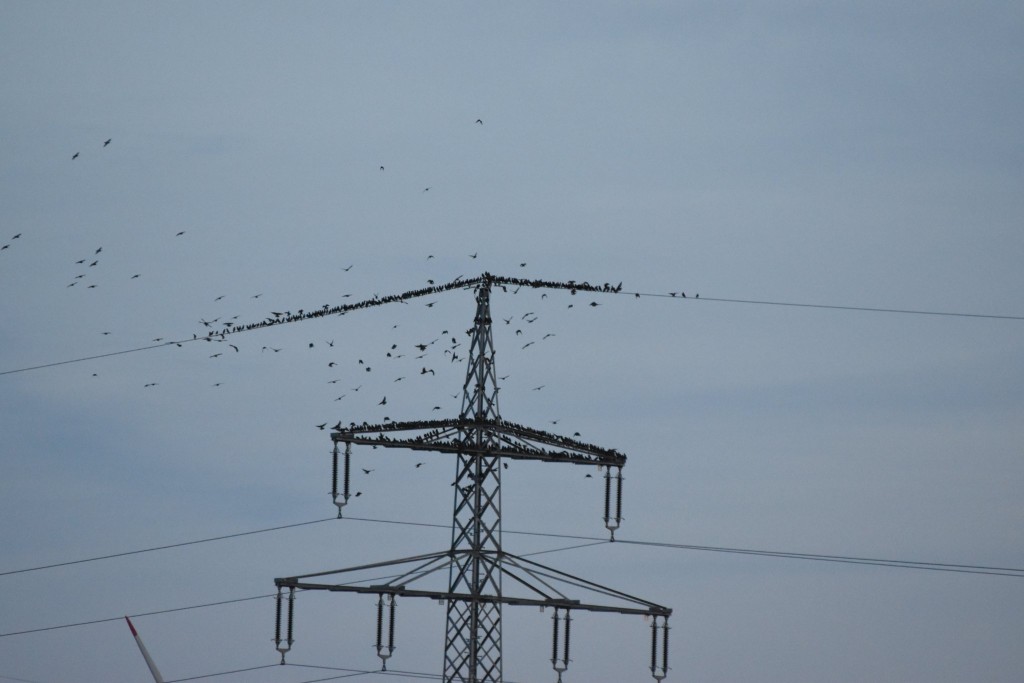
(837, 307)
(539, 284)
(165, 547)
(592, 540)
(599, 541)
(846, 559)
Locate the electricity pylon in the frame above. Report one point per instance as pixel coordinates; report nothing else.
(476, 564)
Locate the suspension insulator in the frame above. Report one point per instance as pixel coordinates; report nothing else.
(277, 624)
(659, 670)
(284, 646)
(391, 626)
(568, 622)
(334, 474)
(291, 614)
(618, 496)
(380, 619)
(612, 523)
(385, 651)
(554, 639)
(342, 500)
(560, 661)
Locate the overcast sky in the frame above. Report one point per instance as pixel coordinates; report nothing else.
(275, 157)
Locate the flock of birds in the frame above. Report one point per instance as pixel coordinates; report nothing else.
(390, 376)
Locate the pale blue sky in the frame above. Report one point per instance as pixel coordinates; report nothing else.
(855, 154)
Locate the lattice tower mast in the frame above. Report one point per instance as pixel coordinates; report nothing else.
(472, 650)
(475, 562)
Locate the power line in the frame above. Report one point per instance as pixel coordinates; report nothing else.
(849, 559)
(758, 302)
(868, 309)
(165, 547)
(247, 599)
(846, 559)
(223, 673)
(389, 672)
(150, 613)
(900, 564)
(348, 673)
(102, 355)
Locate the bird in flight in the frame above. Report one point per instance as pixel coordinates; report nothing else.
(348, 269)
(365, 471)
(74, 156)
(480, 121)
(108, 141)
(383, 401)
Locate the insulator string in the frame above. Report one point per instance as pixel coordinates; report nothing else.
(277, 619)
(348, 468)
(391, 626)
(618, 497)
(380, 619)
(291, 613)
(664, 647)
(334, 474)
(554, 639)
(568, 621)
(607, 494)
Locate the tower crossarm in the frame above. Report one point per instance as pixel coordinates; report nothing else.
(510, 440)
(539, 585)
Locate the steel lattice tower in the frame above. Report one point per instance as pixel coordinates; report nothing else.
(472, 650)
(475, 563)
